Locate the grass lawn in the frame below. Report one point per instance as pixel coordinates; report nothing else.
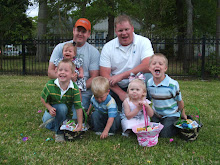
(20, 103)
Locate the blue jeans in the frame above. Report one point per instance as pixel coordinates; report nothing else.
(86, 100)
(85, 104)
(169, 130)
(118, 100)
(61, 115)
(99, 121)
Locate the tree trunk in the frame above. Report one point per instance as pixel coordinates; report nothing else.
(83, 8)
(218, 29)
(111, 18)
(189, 46)
(41, 55)
(110, 35)
(180, 28)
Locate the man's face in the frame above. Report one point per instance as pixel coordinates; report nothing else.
(124, 32)
(80, 35)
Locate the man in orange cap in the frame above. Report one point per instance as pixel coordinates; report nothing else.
(89, 54)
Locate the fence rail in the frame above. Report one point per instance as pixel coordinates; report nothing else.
(187, 57)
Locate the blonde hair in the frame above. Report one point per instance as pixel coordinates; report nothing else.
(69, 44)
(159, 55)
(141, 84)
(68, 61)
(122, 18)
(100, 85)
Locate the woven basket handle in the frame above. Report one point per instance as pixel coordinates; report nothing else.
(196, 110)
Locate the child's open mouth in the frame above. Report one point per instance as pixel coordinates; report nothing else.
(157, 71)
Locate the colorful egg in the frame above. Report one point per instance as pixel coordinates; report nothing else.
(185, 125)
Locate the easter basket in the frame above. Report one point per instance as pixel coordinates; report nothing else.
(189, 129)
(148, 132)
(68, 127)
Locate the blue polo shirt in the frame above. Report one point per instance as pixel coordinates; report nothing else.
(165, 96)
(108, 106)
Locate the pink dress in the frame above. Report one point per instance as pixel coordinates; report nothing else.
(138, 119)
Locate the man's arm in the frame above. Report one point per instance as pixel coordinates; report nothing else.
(105, 72)
(142, 67)
(93, 74)
(51, 71)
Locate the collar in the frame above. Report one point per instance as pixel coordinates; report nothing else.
(165, 81)
(69, 86)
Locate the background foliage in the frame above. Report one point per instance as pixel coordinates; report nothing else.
(160, 17)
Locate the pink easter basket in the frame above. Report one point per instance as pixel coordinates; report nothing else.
(147, 138)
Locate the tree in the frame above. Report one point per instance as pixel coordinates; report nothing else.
(189, 46)
(41, 54)
(180, 28)
(218, 29)
(14, 23)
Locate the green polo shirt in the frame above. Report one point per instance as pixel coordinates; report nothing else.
(52, 95)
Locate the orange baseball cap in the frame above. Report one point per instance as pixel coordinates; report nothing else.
(84, 23)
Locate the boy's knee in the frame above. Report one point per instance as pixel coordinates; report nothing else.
(168, 131)
(116, 124)
(61, 109)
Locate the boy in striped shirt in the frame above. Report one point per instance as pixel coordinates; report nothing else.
(60, 96)
(105, 119)
(166, 96)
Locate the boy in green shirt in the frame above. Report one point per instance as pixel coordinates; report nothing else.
(60, 96)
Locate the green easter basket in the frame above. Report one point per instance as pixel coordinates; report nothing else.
(189, 134)
(70, 134)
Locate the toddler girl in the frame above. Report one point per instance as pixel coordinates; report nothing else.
(132, 113)
(69, 52)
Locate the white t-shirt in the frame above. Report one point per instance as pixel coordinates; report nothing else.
(123, 58)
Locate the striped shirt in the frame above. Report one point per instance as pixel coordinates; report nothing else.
(165, 96)
(53, 94)
(107, 107)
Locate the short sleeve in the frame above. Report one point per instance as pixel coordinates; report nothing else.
(105, 59)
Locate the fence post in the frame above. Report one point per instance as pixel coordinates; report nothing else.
(203, 58)
(23, 58)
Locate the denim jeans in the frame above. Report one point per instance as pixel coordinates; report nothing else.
(61, 115)
(169, 130)
(85, 104)
(99, 121)
(117, 99)
(86, 100)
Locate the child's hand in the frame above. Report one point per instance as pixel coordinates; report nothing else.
(80, 75)
(183, 115)
(79, 127)
(141, 103)
(74, 77)
(52, 111)
(104, 135)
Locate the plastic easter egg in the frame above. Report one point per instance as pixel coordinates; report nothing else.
(190, 126)
(149, 129)
(185, 125)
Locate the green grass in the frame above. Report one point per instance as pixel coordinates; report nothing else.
(19, 105)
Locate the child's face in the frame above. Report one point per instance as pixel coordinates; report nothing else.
(158, 67)
(68, 52)
(135, 91)
(64, 72)
(101, 98)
